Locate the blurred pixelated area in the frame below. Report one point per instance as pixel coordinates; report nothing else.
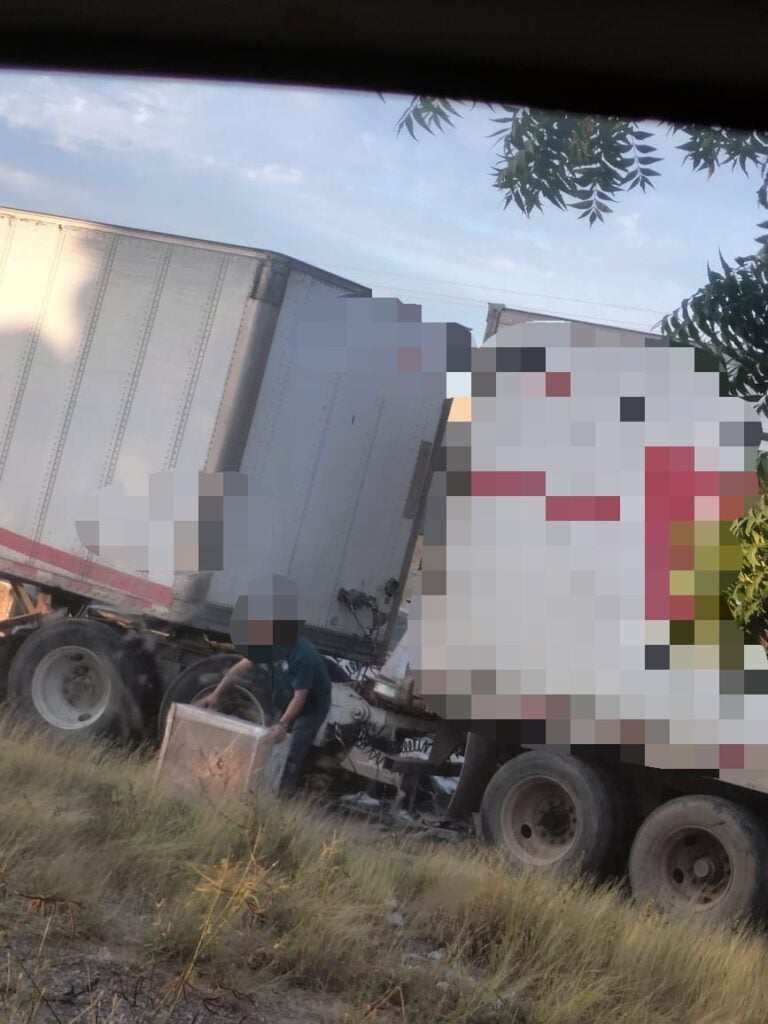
(271, 613)
(577, 548)
(350, 403)
(381, 347)
(179, 522)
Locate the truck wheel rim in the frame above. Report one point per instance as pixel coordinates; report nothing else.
(539, 821)
(696, 869)
(71, 688)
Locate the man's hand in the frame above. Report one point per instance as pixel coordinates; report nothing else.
(278, 732)
(208, 701)
(212, 699)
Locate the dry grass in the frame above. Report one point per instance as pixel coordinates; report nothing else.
(280, 891)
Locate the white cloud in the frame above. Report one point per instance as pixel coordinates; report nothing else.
(274, 173)
(507, 266)
(76, 116)
(17, 178)
(314, 100)
(629, 225)
(183, 122)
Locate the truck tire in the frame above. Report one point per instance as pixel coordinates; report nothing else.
(5, 664)
(702, 854)
(250, 699)
(553, 813)
(75, 678)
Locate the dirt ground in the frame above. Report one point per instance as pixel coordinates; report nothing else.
(74, 981)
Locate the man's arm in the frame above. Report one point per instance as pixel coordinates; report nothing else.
(293, 710)
(229, 679)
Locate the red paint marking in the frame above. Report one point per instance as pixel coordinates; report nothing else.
(660, 465)
(124, 582)
(508, 484)
(668, 508)
(657, 530)
(557, 384)
(682, 508)
(707, 484)
(519, 484)
(659, 577)
(656, 483)
(676, 492)
(725, 485)
(580, 508)
(731, 755)
(669, 460)
(733, 508)
(682, 607)
(682, 557)
(743, 485)
(657, 609)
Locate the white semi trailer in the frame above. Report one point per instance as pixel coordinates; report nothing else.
(246, 414)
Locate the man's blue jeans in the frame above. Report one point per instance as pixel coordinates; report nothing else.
(304, 731)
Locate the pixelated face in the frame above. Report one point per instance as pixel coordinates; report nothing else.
(577, 545)
(260, 631)
(265, 632)
(265, 622)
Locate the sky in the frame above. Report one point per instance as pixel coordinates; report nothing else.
(322, 176)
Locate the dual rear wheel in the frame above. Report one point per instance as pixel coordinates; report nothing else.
(699, 854)
(82, 679)
(702, 854)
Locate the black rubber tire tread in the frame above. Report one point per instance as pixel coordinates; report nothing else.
(5, 664)
(123, 719)
(740, 832)
(599, 835)
(203, 674)
(148, 685)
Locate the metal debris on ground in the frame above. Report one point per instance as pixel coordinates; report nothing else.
(362, 802)
(386, 816)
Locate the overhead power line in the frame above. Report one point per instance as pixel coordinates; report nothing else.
(505, 291)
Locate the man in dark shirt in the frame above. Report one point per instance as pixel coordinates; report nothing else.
(309, 680)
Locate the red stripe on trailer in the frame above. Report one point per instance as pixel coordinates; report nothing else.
(47, 577)
(508, 484)
(73, 565)
(583, 508)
